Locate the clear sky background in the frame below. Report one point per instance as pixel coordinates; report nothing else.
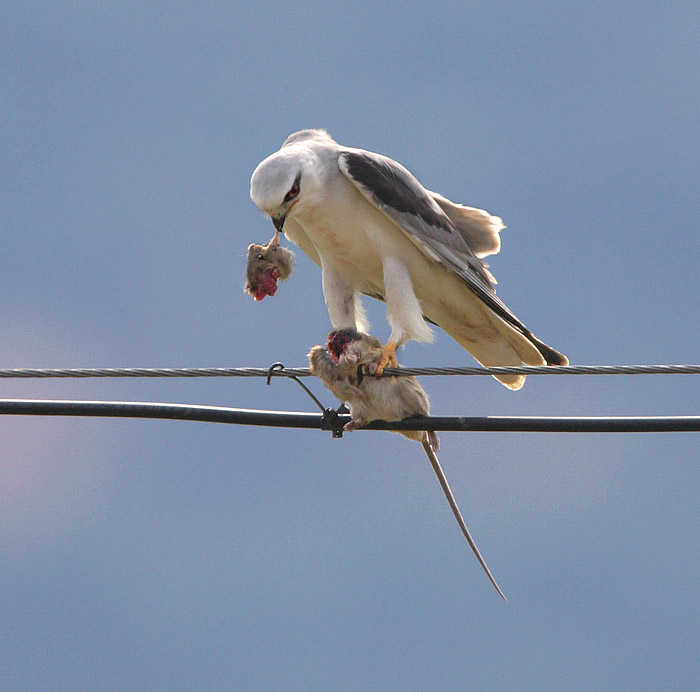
(147, 555)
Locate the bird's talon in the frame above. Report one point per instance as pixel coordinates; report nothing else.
(388, 357)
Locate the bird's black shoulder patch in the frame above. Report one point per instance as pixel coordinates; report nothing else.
(391, 187)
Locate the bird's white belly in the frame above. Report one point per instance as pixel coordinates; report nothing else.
(362, 251)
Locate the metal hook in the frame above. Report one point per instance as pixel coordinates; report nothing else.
(273, 367)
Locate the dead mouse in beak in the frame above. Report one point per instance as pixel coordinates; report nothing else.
(267, 264)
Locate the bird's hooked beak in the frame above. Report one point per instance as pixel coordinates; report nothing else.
(278, 222)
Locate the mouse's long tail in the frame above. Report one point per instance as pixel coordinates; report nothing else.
(428, 447)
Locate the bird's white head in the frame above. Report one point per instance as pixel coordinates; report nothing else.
(288, 176)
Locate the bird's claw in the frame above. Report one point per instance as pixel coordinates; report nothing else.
(388, 357)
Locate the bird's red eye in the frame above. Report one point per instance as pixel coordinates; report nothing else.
(293, 192)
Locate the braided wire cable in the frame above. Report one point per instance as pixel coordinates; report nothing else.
(305, 372)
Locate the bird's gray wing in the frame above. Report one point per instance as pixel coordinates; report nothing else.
(395, 191)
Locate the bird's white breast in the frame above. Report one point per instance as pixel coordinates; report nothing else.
(352, 235)
(342, 229)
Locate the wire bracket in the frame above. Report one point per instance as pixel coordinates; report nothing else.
(331, 417)
(332, 420)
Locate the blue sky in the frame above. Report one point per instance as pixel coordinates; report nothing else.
(177, 556)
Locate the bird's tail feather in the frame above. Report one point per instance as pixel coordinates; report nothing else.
(511, 347)
(552, 356)
(502, 352)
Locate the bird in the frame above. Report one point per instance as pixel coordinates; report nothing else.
(375, 230)
(339, 365)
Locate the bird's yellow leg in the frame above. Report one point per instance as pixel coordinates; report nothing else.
(388, 357)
